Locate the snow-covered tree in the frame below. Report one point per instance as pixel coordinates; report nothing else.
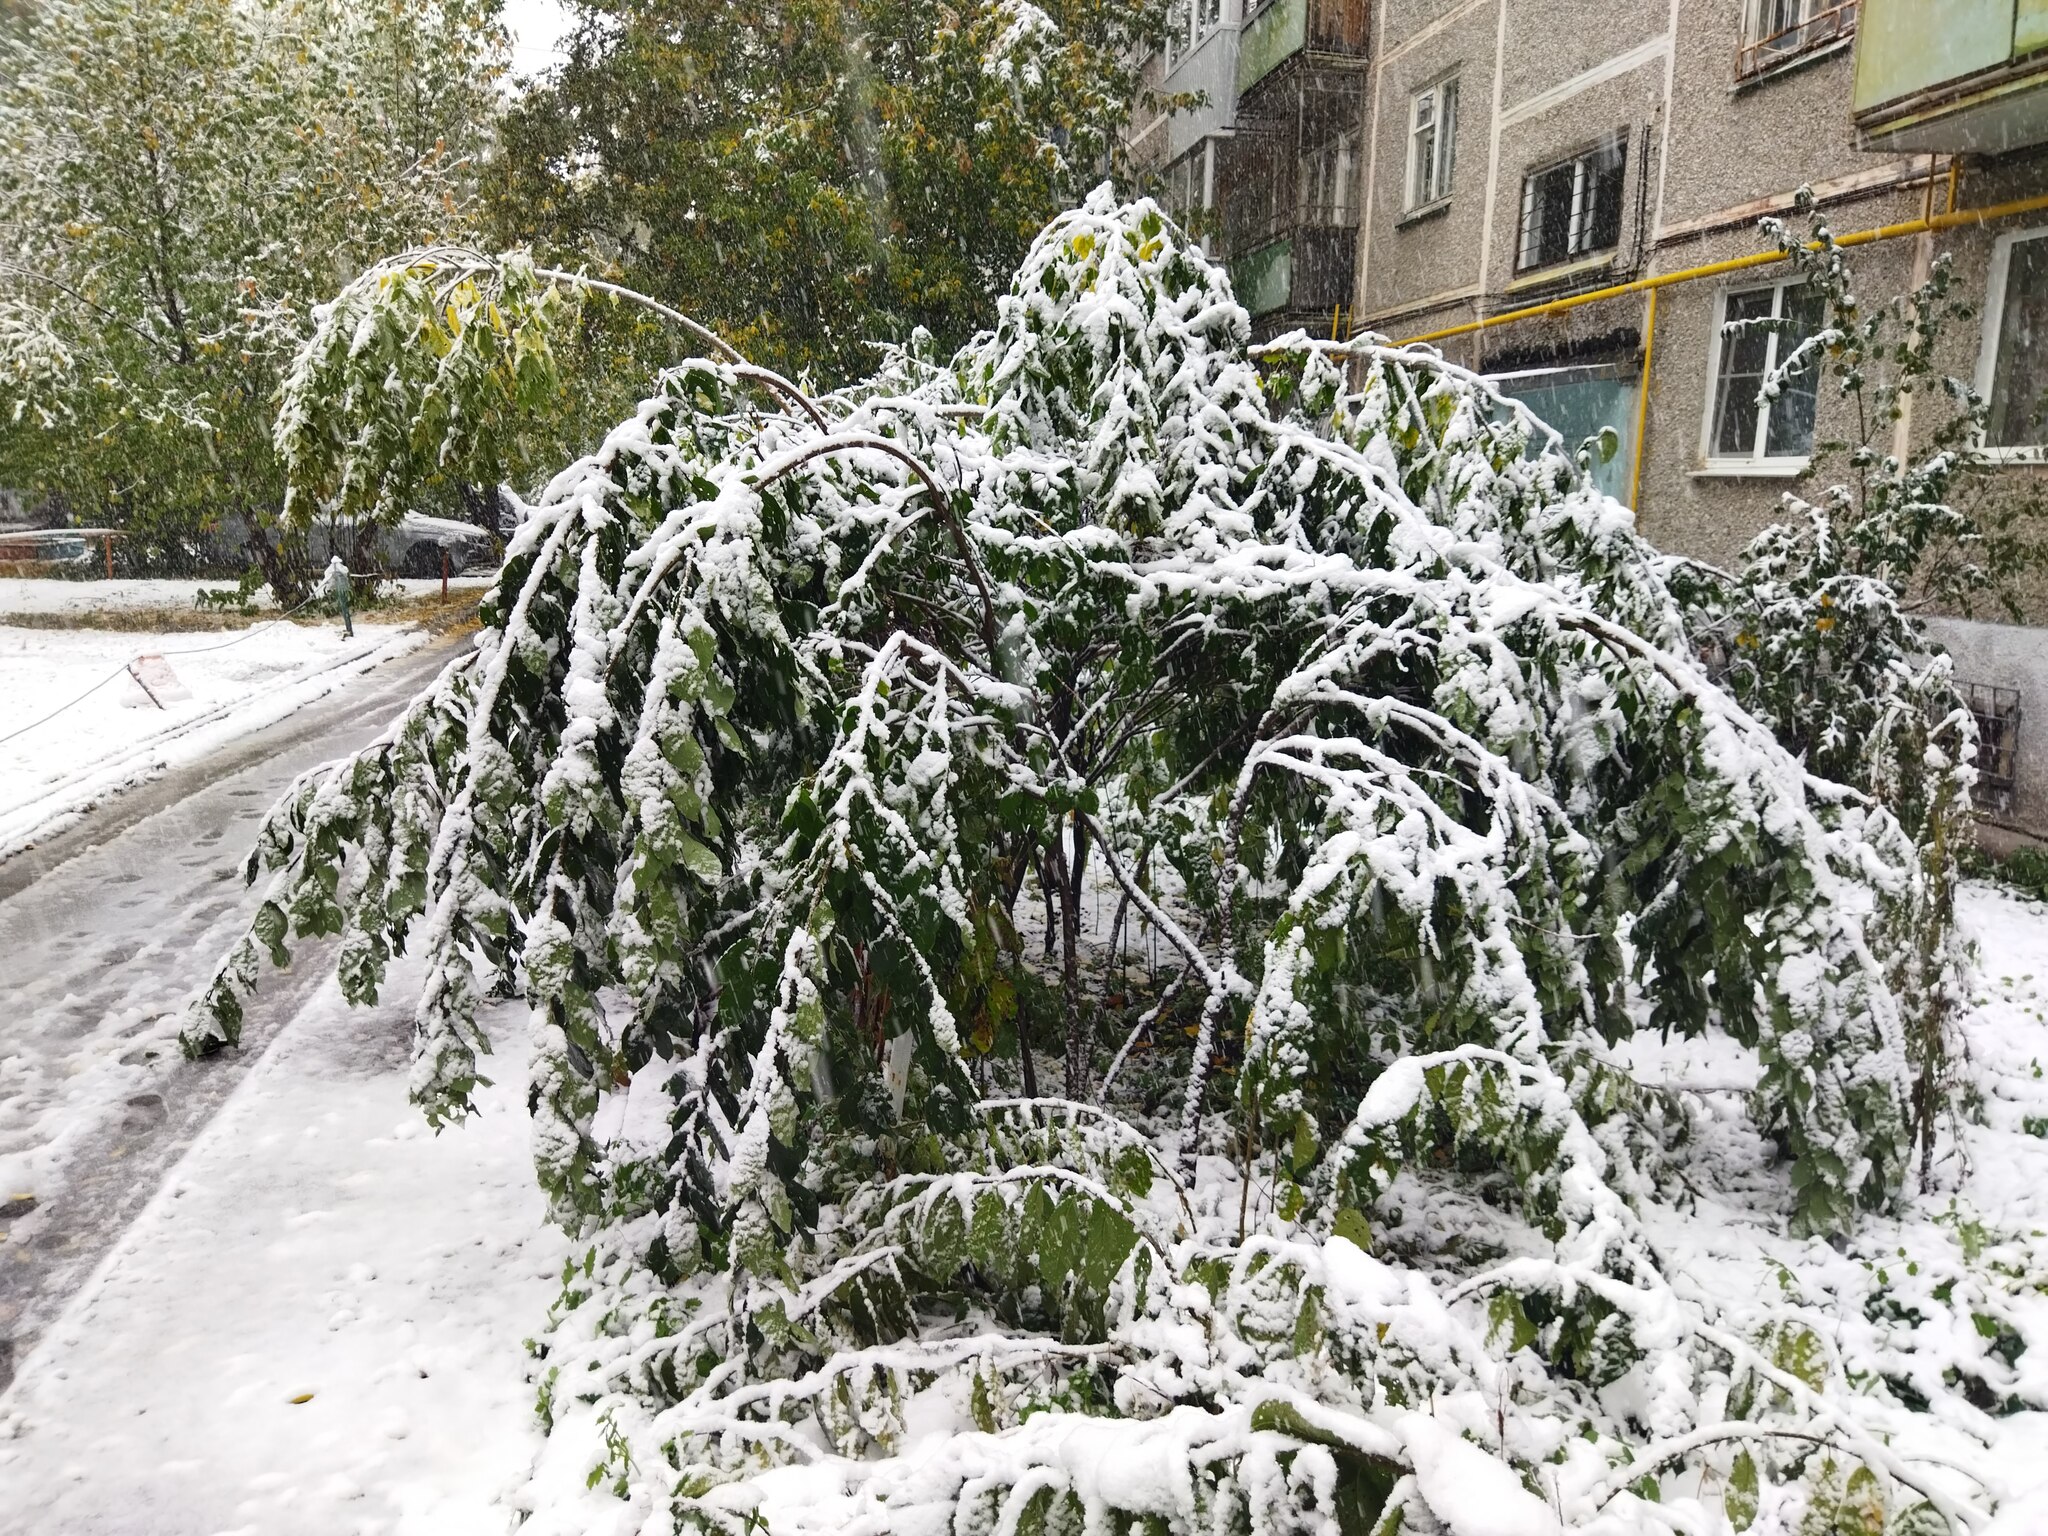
(814, 175)
(1332, 668)
(180, 181)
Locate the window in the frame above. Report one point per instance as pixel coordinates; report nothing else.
(1188, 23)
(1776, 30)
(2012, 370)
(1188, 189)
(1760, 328)
(1432, 142)
(1180, 30)
(1997, 712)
(1574, 208)
(1327, 175)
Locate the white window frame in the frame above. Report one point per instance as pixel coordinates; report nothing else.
(1756, 464)
(1435, 94)
(1180, 14)
(1204, 19)
(1987, 354)
(1332, 170)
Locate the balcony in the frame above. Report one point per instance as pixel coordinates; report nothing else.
(1281, 30)
(1297, 276)
(1778, 34)
(1955, 77)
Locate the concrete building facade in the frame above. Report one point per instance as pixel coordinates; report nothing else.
(1513, 161)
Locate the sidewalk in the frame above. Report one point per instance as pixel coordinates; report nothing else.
(317, 1239)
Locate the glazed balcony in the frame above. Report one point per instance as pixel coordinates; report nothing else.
(1279, 31)
(1960, 76)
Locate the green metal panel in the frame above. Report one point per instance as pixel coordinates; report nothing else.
(1905, 46)
(2030, 27)
(1579, 403)
(1270, 38)
(1264, 279)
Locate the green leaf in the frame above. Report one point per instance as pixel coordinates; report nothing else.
(1741, 1499)
(1351, 1225)
(698, 859)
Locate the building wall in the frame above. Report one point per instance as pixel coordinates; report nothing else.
(1709, 155)
(1416, 265)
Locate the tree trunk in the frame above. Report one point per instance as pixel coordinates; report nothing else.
(1023, 860)
(283, 563)
(483, 505)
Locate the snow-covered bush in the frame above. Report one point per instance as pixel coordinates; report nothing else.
(1819, 623)
(1387, 726)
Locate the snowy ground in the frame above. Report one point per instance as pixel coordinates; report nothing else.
(113, 737)
(108, 929)
(316, 1239)
(1922, 1298)
(316, 1325)
(39, 595)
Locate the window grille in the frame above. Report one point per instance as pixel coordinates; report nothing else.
(1574, 208)
(1997, 712)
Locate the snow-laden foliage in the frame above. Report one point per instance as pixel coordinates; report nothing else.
(1818, 628)
(180, 181)
(1334, 670)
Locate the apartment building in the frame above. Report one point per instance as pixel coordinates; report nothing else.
(1511, 164)
(1267, 166)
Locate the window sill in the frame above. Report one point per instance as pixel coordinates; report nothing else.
(1423, 213)
(2022, 456)
(1751, 469)
(1792, 65)
(1562, 272)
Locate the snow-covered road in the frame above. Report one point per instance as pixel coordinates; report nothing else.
(104, 930)
(210, 1241)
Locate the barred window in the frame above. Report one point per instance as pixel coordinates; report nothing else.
(1997, 713)
(1574, 208)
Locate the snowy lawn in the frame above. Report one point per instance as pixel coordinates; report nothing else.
(1951, 1297)
(315, 1327)
(113, 736)
(46, 596)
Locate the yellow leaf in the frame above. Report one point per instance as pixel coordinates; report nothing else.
(303, 1397)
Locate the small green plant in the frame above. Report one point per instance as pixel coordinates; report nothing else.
(235, 599)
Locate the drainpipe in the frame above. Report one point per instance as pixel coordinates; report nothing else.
(1635, 474)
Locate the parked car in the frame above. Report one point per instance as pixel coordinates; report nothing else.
(414, 546)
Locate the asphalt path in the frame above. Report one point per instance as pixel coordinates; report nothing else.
(105, 930)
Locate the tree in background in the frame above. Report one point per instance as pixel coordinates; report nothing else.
(180, 180)
(812, 176)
